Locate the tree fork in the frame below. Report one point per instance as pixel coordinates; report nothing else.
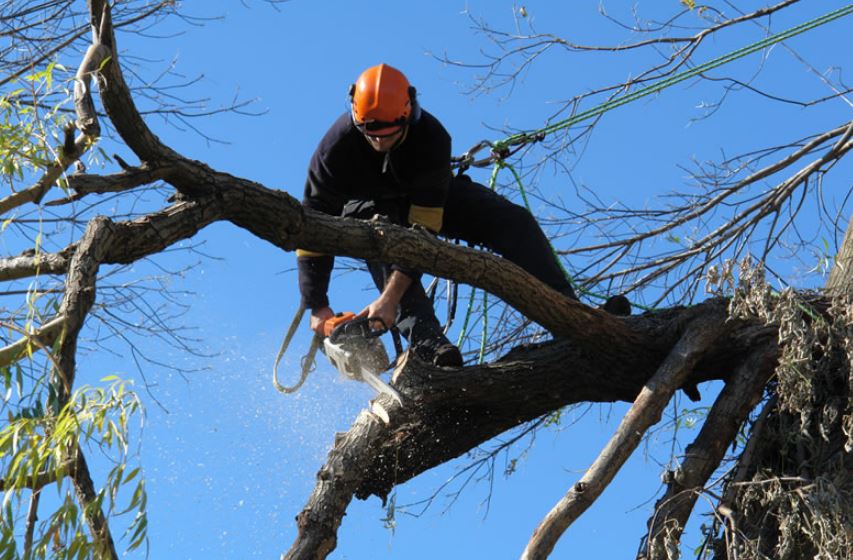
(646, 411)
(702, 457)
(447, 412)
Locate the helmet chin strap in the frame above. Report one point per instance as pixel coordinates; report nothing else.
(402, 137)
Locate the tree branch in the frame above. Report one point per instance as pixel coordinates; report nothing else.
(704, 455)
(117, 100)
(447, 412)
(78, 300)
(42, 338)
(87, 124)
(29, 264)
(130, 178)
(645, 412)
(40, 479)
(32, 517)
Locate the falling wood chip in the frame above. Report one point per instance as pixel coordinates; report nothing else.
(380, 412)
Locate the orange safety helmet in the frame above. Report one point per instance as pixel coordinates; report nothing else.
(382, 99)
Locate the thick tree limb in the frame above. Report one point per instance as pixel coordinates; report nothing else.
(78, 300)
(703, 456)
(447, 412)
(336, 484)
(645, 412)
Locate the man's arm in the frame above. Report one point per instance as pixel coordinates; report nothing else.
(315, 269)
(385, 306)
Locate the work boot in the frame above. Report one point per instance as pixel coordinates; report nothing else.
(569, 292)
(438, 352)
(447, 355)
(617, 305)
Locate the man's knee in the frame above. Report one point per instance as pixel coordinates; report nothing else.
(518, 217)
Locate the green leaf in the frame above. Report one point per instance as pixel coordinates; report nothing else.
(131, 475)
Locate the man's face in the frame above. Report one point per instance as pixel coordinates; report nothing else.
(385, 141)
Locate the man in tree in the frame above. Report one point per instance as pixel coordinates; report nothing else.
(388, 157)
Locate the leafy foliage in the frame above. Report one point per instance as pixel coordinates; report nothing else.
(39, 447)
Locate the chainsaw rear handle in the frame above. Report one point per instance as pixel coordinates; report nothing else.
(349, 324)
(332, 323)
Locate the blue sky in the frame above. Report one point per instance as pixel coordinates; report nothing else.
(229, 461)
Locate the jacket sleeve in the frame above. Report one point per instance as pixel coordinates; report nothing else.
(427, 208)
(314, 273)
(431, 184)
(315, 269)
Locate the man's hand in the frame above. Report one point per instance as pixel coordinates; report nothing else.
(318, 317)
(382, 309)
(385, 306)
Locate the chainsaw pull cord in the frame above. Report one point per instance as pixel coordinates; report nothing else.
(307, 361)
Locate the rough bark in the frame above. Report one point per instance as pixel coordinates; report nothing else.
(645, 412)
(23, 266)
(596, 357)
(840, 279)
(448, 412)
(78, 300)
(704, 455)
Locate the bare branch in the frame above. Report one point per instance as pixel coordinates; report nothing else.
(32, 517)
(704, 455)
(73, 149)
(128, 179)
(645, 411)
(25, 265)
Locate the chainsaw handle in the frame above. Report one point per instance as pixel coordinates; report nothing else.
(376, 332)
(350, 325)
(371, 333)
(332, 323)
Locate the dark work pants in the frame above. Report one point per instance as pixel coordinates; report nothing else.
(475, 214)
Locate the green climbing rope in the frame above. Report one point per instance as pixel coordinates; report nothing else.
(500, 149)
(525, 137)
(485, 321)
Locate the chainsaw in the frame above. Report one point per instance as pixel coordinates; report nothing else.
(351, 345)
